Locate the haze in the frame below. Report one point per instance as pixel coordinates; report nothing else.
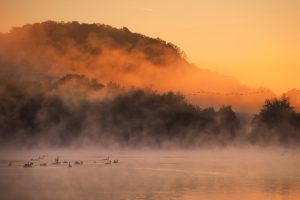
(256, 41)
(178, 175)
(182, 100)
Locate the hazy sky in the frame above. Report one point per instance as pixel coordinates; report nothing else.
(257, 41)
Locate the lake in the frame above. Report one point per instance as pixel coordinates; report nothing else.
(216, 174)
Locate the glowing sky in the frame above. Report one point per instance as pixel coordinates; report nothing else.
(257, 41)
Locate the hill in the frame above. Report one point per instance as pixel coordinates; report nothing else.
(50, 50)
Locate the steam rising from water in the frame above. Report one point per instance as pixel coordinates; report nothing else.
(71, 83)
(77, 110)
(77, 85)
(227, 174)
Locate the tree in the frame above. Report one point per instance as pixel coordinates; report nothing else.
(276, 111)
(277, 122)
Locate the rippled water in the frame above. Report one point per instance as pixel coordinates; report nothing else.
(215, 174)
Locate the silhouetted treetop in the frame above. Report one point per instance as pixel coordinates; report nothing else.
(276, 111)
(277, 122)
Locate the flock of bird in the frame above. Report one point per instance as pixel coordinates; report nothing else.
(40, 162)
(214, 93)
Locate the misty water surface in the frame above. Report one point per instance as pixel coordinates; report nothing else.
(199, 174)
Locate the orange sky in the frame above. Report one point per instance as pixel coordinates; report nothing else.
(256, 41)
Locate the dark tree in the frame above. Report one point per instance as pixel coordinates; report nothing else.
(277, 121)
(276, 111)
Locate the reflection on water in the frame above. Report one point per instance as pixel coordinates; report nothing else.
(216, 175)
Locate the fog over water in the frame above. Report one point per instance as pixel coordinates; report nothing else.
(88, 111)
(232, 173)
(64, 84)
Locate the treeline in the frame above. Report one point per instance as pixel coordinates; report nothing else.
(78, 110)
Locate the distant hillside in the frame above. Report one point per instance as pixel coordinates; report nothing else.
(69, 83)
(49, 50)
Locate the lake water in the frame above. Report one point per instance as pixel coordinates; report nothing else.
(247, 174)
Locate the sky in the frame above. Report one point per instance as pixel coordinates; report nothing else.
(256, 41)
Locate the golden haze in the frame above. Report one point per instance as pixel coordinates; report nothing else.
(256, 41)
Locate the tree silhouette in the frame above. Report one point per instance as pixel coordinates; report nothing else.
(276, 111)
(277, 121)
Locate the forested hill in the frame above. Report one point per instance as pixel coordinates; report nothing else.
(50, 50)
(61, 36)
